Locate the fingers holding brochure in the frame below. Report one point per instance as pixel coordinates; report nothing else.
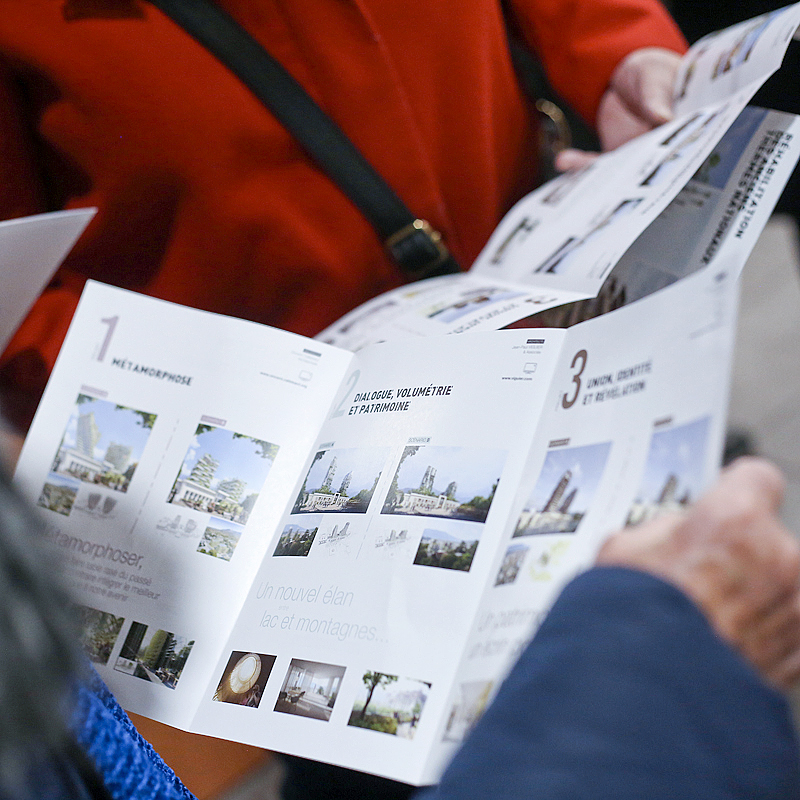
(735, 559)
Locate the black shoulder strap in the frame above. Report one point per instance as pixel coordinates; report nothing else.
(414, 245)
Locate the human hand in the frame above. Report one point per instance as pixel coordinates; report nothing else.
(638, 99)
(733, 557)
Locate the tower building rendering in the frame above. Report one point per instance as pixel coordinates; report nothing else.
(558, 492)
(203, 471)
(87, 435)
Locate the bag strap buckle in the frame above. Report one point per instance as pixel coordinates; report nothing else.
(419, 250)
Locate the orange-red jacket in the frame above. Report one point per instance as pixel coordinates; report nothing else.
(205, 200)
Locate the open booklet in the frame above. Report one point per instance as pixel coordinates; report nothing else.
(666, 199)
(339, 554)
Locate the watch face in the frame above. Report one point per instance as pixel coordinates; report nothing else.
(245, 673)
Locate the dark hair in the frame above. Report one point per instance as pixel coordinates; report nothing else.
(40, 660)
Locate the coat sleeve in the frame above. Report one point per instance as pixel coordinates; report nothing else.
(627, 693)
(580, 42)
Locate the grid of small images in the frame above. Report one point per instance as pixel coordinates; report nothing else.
(99, 631)
(102, 446)
(222, 475)
(310, 689)
(153, 655)
(564, 490)
(341, 480)
(389, 704)
(673, 473)
(447, 482)
(244, 678)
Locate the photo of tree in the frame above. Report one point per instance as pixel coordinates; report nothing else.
(564, 491)
(310, 689)
(449, 549)
(220, 538)
(244, 678)
(511, 565)
(58, 494)
(390, 704)
(296, 539)
(222, 473)
(673, 472)
(153, 655)
(103, 443)
(341, 480)
(98, 631)
(448, 482)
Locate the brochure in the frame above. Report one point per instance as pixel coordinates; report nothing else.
(323, 552)
(338, 553)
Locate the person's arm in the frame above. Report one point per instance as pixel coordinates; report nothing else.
(643, 681)
(581, 43)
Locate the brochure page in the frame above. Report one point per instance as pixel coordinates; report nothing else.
(162, 455)
(633, 427)
(357, 615)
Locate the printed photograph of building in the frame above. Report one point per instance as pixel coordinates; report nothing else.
(310, 689)
(511, 564)
(220, 538)
(99, 631)
(717, 169)
(673, 472)
(341, 480)
(296, 538)
(564, 490)
(389, 704)
(103, 443)
(244, 678)
(453, 548)
(153, 655)
(473, 697)
(58, 494)
(449, 482)
(223, 473)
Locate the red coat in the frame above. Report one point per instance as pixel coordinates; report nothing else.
(205, 200)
